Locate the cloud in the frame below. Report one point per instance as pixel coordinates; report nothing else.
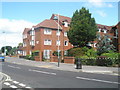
(98, 3)
(102, 13)
(13, 31)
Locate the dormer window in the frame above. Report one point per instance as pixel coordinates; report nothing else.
(105, 31)
(65, 23)
(55, 18)
(99, 29)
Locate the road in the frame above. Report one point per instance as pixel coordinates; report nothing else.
(23, 76)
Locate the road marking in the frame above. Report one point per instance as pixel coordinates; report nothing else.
(21, 84)
(97, 80)
(15, 82)
(27, 87)
(43, 72)
(12, 86)
(6, 83)
(14, 67)
(7, 77)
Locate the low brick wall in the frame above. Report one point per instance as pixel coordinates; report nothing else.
(70, 60)
(37, 58)
(54, 59)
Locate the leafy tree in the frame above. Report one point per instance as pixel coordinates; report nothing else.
(13, 50)
(82, 28)
(7, 48)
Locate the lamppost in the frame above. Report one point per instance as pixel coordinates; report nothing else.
(4, 45)
(58, 44)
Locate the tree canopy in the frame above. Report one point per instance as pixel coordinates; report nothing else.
(82, 28)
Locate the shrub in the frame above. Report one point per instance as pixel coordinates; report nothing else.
(55, 53)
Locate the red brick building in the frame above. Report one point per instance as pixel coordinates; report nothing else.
(43, 37)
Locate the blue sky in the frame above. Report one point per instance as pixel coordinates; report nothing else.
(19, 15)
(38, 11)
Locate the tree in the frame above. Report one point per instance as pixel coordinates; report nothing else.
(7, 48)
(13, 51)
(104, 44)
(82, 28)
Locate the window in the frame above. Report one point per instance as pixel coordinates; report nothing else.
(46, 54)
(32, 42)
(47, 42)
(65, 24)
(24, 53)
(58, 33)
(32, 32)
(99, 29)
(105, 31)
(30, 52)
(65, 52)
(65, 34)
(47, 31)
(58, 42)
(55, 18)
(33, 37)
(66, 43)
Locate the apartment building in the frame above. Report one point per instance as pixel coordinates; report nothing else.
(51, 35)
(116, 33)
(46, 37)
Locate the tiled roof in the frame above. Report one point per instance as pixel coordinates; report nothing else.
(26, 30)
(48, 24)
(104, 26)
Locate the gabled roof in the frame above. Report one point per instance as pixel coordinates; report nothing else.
(61, 18)
(48, 24)
(26, 30)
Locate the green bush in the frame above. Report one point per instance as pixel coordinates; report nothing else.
(55, 53)
(113, 56)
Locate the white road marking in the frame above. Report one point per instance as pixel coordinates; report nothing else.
(15, 82)
(6, 83)
(7, 77)
(12, 86)
(97, 80)
(14, 67)
(27, 87)
(43, 72)
(21, 84)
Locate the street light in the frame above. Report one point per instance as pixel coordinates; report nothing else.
(4, 46)
(58, 44)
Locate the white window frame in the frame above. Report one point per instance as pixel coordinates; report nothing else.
(58, 33)
(33, 37)
(65, 44)
(46, 54)
(58, 42)
(47, 31)
(32, 42)
(65, 24)
(47, 42)
(65, 34)
(105, 31)
(99, 30)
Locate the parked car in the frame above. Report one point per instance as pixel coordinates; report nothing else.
(2, 58)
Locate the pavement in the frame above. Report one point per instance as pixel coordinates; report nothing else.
(65, 67)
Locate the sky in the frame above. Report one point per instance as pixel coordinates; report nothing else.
(19, 15)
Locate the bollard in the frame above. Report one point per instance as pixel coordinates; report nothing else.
(78, 63)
